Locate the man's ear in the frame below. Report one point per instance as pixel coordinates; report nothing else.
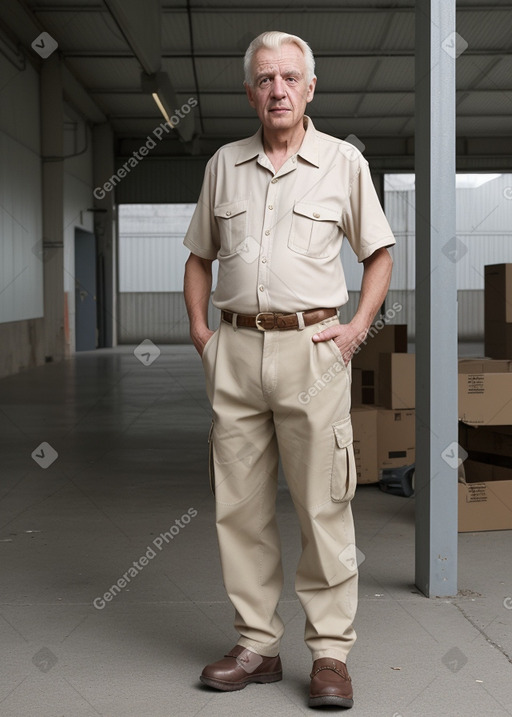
(311, 90)
(250, 94)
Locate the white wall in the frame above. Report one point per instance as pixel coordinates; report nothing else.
(21, 268)
(151, 252)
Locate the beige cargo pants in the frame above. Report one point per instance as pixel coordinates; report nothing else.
(278, 391)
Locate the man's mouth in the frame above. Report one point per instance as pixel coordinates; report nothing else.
(279, 109)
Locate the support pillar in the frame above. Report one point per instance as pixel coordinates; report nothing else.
(436, 300)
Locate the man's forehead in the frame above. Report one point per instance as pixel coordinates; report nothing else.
(287, 55)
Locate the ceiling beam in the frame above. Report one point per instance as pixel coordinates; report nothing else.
(139, 24)
(237, 54)
(335, 93)
(353, 9)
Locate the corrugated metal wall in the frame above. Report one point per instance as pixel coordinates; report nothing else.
(484, 236)
(152, 259)
(21, 258)
(160, 316)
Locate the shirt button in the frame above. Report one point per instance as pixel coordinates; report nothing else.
(267, 232)
(228, 214)
(261, 287)
(270, 206)
(274, 180)
(264, 260)
(316, 215)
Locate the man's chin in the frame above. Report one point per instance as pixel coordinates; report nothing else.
(281, 119)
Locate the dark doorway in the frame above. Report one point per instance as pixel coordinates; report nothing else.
(85, 291)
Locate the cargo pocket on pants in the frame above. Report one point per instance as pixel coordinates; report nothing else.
(343, 474)
(211, 467)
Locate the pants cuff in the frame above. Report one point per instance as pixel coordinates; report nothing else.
(259, 648)
(336, 654)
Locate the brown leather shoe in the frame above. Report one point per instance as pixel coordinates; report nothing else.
(240, 667)
(330, 684)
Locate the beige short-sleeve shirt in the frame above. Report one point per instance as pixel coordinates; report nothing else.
(278, 235)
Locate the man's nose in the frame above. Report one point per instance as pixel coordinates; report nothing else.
(278, 87)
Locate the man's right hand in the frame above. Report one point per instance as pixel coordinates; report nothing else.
(200, 339)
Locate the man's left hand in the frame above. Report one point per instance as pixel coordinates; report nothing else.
(347, 338)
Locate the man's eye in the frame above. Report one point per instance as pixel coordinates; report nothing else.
(264, 81)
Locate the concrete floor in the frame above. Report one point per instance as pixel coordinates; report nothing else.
(131, 445)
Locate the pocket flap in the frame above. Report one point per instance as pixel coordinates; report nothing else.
(343, 432)
(230, 209)
(317, 213)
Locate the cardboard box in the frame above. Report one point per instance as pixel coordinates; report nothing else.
(396, 439)
(364, 425)
(356, 387)
(498, 293)
(485, 392)
(498, 340)
(485, 499)
(389, 338)
(397, 380)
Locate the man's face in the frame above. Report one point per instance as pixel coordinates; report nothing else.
(279, 92)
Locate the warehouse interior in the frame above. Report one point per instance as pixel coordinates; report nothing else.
(103, 413)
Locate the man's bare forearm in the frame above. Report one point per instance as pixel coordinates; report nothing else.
(197, 290)
(374, 287)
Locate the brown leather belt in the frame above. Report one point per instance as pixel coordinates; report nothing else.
(271, 320)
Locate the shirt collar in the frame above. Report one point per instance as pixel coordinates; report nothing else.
(253, 146)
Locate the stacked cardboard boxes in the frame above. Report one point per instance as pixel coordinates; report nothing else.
(485, 428)
(485, 412)
(498, 311)
(383, 415)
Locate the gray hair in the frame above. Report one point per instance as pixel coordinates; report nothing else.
(273, 40)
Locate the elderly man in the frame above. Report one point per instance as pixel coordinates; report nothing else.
(273, 211)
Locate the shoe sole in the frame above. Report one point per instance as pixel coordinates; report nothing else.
(331, 701)
(232, 686)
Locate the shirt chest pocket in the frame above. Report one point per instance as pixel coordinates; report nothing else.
(313, 229)
(231, 220)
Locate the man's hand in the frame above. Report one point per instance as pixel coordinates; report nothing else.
(200, 339)
(376, 278)
(347, 338)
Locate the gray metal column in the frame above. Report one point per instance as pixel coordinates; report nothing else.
(52, 144)
(436, 300)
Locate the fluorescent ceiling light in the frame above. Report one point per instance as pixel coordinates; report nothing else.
(161, 107)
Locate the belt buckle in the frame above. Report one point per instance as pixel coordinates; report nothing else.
(263, 313)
